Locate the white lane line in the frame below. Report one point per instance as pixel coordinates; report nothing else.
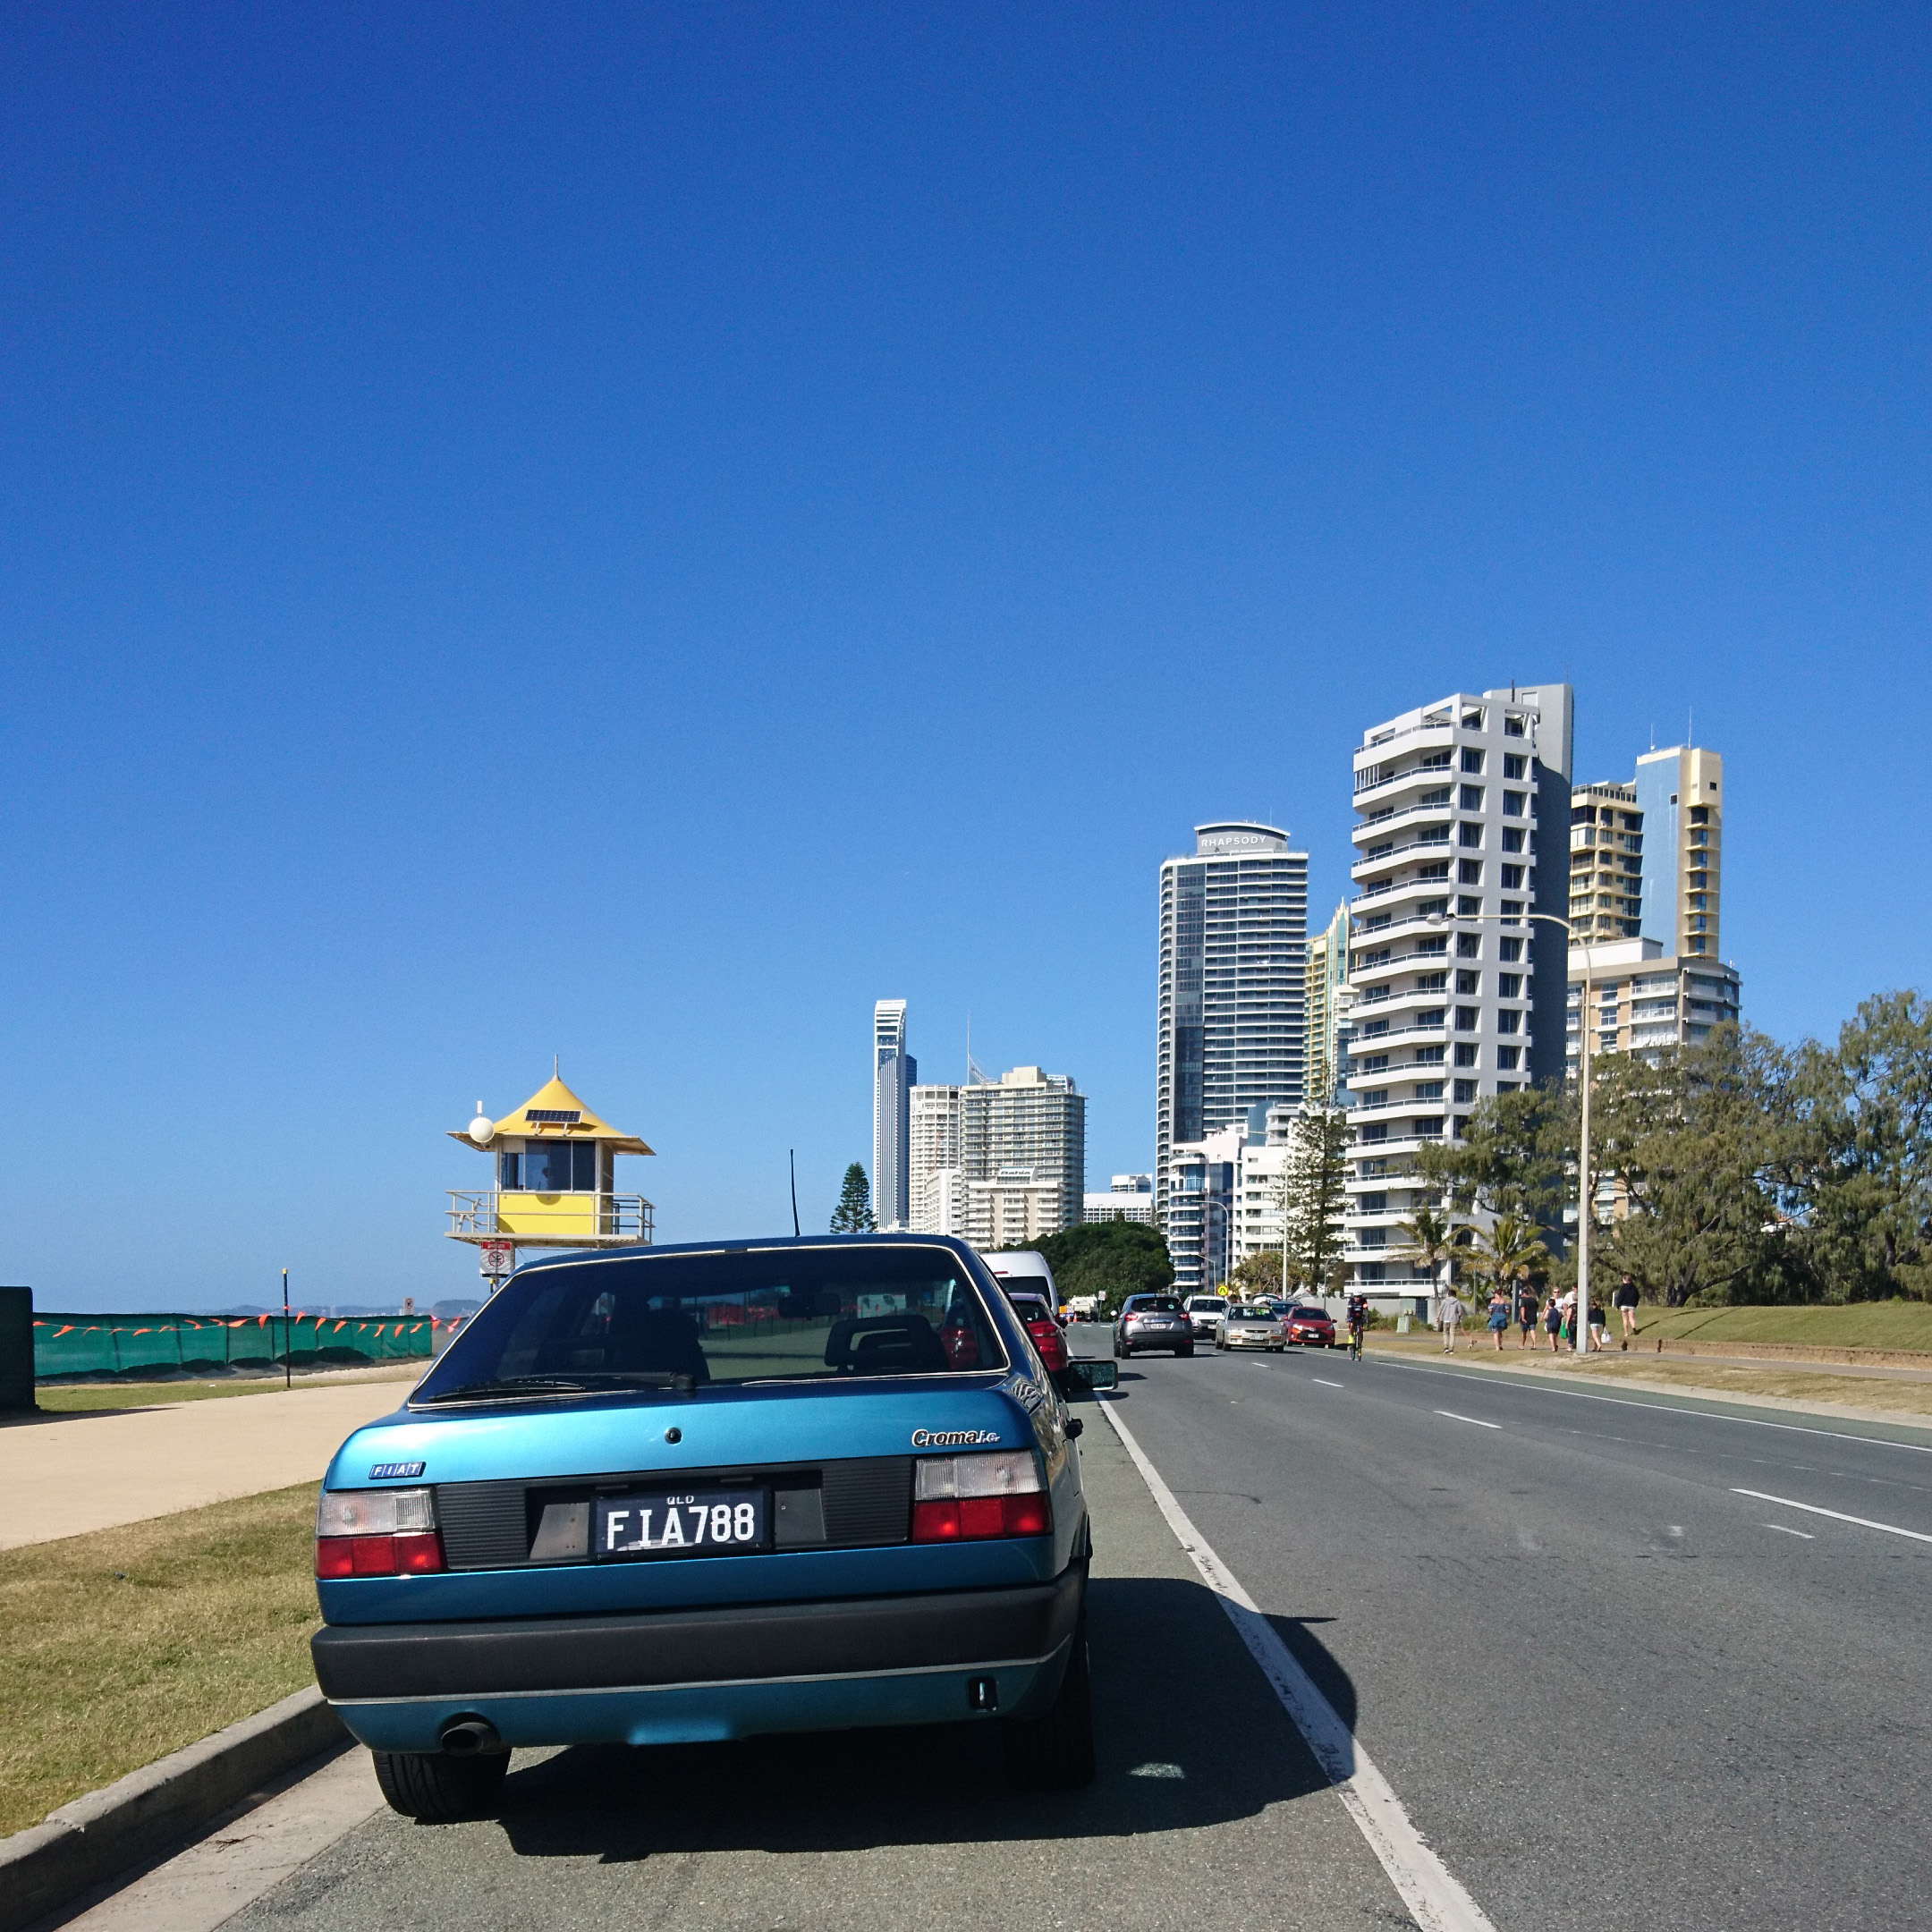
(1477, 1420)
(1786, 1530)
(1542, 1387)
(1864, 1522)
(1328, 1384)
(1430, 1891)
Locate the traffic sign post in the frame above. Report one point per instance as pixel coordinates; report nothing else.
(495, 1259)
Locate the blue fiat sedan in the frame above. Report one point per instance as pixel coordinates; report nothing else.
(662, 1494)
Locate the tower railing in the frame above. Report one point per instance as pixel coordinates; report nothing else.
(551, 1220)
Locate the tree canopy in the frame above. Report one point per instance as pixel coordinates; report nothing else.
(1732, 1168)
(1111, 1258)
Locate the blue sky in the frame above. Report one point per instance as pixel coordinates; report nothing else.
(631, 533)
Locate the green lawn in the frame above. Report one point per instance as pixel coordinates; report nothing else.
(126, 1644)
(1889, 1324)
(73, 1398)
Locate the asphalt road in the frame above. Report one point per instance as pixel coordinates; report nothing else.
(1610, 1690)
(1208, 1811)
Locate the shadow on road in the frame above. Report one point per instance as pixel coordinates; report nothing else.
(1188, 1734)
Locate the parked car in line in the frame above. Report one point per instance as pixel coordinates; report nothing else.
(1204, 1312)
(1308, 1325)
(1029, 1270)
(1043, 1325)
(1153, 1321)
(659, 1496)
(1246, 1325)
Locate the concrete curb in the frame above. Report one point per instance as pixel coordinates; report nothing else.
(101, 1834)
(1799, 1354)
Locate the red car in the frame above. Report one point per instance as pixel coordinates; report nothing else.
(1044, 1326)
(1310, 1327)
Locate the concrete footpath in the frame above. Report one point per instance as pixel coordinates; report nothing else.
(65, 1475)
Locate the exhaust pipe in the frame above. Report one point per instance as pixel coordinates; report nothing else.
(470, 1737)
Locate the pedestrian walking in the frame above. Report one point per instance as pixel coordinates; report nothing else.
(1526, 1317)
(1598, 1320)
(1625, 1301)
(1451, 1312)
(1552, 1322)
(1498, 1315)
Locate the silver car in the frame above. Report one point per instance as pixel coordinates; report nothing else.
(1246, 1325)
(1153, 1321)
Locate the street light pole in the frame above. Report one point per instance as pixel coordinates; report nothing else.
(1584, 1191)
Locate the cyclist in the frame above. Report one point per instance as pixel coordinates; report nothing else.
(1358, 1324)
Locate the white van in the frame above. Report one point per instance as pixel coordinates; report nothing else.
(1027, 1273)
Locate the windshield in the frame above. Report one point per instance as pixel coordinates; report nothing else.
(1153, 1304)
(1311, 1314)
(1208, 1303)
(689, 1321)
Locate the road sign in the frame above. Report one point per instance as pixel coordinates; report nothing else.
(498, 1256)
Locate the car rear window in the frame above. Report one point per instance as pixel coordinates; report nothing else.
(1155, 1304)
(709, 1319)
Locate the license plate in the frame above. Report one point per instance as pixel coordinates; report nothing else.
(712, 1523)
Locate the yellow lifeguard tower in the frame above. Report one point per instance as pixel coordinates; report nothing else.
(556, 1183)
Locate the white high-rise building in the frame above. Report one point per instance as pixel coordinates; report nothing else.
(1232, 1020)
(1463, 830)
(1131, 1197)
(998, 1159)
(1256, 1227)
(938, 1188)
(894, 1073)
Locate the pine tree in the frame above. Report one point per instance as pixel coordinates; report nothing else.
(853, 1214)
(1312, 1194)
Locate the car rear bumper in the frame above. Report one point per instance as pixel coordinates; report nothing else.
(684, 1676)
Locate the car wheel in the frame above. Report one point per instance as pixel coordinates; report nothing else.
(1055, 1752)
(1188, 1349)
(439, 1789)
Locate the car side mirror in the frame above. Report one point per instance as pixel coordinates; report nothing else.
(1090, 1376)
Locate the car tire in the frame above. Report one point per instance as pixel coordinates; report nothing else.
(438, 1789)
(1055, 1752)
(1188, 1350)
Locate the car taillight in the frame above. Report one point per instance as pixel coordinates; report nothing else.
(376, 1532)
(959, 1499)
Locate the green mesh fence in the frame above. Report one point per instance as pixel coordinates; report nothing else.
(106, 1344)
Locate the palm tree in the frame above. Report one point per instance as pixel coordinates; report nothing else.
(1432, 1239)
(1510, 1252)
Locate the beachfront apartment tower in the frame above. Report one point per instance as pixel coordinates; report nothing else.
(1232, 1024)
(1463, 830)
(894, 1073)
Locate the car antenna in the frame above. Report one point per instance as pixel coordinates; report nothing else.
(792, 1154)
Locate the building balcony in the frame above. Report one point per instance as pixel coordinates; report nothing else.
(1394, 820)
(1391, 922)
(1373, 1082)
(1394, 1146)
(552, 1220)
(1369, 974)
(1394, 894)
(1371, 1035)
(1371, 865)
